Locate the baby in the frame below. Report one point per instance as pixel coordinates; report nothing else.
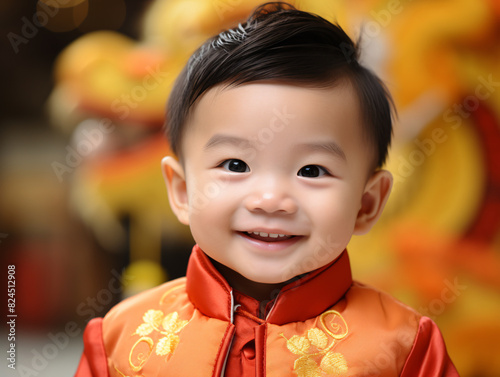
(279, 136)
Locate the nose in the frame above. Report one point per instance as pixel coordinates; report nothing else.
(271, 197)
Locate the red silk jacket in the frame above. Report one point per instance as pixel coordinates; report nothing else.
(321, 325)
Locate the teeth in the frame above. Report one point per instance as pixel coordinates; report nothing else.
(272, 235)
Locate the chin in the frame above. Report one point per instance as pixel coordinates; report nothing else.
(262, 277)
(271, 278)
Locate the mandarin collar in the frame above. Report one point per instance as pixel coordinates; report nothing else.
(211, 294)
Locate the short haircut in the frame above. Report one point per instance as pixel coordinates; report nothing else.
(282, 44)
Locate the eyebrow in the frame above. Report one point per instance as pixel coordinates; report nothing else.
(219, 139)
(329, 147)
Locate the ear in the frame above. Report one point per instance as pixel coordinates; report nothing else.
(173, 173)
(373, 201)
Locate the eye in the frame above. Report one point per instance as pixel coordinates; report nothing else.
(236, 166)
(312, 171)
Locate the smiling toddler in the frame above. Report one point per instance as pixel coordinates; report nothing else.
(279, 136)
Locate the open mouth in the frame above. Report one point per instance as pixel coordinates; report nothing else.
(268, 237)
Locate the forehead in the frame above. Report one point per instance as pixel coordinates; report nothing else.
(266, 98)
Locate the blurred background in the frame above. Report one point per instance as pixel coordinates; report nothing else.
(84, 215)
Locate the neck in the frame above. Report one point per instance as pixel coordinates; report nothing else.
(260, 291)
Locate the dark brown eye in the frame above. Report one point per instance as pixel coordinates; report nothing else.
(236, 166)
(311, 171)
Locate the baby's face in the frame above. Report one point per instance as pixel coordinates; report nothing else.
(275, 177)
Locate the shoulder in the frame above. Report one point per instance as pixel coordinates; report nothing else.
(124, 318)
(383, 327)
(149, 297)
(429, 341)
(396, 340)
(111, 338)
(381, 306)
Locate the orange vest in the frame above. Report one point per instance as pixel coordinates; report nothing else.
(323, 324)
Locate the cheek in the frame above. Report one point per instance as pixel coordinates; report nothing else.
(210, 185)
(335, 216)
(339, 204)
(209, 203)
(202, 192)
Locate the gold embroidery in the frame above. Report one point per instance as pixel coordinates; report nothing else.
(331, 363)
(141, 357)
(166, 326)
(171, 323)
(153, 319)
(123, 374)
(168, 293)
(306, 367)
(167, 345)
(317, 338)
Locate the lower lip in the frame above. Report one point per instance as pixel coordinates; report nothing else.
(271, 246)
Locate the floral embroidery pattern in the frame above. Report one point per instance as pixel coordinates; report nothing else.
(155, 321)
(156, 325)
(316, 358)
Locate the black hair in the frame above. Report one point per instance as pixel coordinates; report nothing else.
(281, 43)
